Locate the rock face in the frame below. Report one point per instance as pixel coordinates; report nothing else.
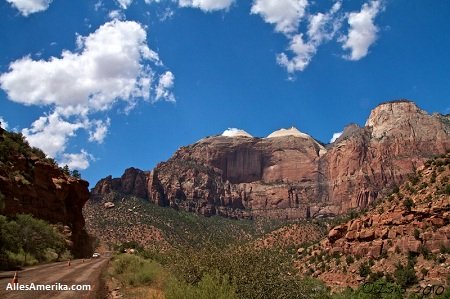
(30, 184)
(289, 174)
(413, 220)
(132, 182)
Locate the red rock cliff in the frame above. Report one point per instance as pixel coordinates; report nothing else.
(31, 184)
(292, 175)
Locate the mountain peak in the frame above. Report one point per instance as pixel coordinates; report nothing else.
(233, 132)
(292, 131)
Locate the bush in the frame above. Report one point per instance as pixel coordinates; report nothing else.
(408, 203)
(380, 289)
(258, 273)
(364, 270)
(133, 270)
(405, 276)
(209, 287)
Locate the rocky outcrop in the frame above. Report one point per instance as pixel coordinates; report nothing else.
(289, 174)
(31, 184)
(412, 221)
(132, 182)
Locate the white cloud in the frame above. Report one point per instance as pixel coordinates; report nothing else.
(321, 28)
(335, 136)
(116, 15)
(124, 3)
(51, 133)
(363, 32)
(100, 130)
(284, 14)
(303, 52)
(165, 83)
(77, 161)
(206, 5)
(27, 7)
(112, 64)
(94, 78)
(4, 123)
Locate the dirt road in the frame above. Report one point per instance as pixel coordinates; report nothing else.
(58, 274)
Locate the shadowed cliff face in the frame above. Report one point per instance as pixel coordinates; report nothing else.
(292, 176)
(31, 184)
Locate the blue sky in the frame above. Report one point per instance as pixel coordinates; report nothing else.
(105, 85)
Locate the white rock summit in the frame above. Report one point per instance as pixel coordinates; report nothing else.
(288, 132)
(233, 132)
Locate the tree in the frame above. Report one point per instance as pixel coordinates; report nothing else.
(76, 174)
(66, 170)
(35, 236)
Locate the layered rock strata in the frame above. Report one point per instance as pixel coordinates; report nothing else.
(290, 174)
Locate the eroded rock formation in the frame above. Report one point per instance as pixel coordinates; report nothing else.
(290, 174)
(30, 184)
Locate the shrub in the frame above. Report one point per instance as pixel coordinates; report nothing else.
(364, 270)
(133, 270)
(405, 276)
(408, 203)
(416, 234)
(209, 287)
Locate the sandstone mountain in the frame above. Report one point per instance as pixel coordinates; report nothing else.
(289, 174)
(411, 227)
(33, 184)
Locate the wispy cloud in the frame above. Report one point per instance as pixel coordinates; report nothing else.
(322, 27)
(207, 5)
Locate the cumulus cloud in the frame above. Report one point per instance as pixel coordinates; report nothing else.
(207, 5)
(322, 27)
(91, 79)
(51, 133)
(288, 15)
(77, 161)
(335, 136)
(27, 7)
(3, 123)
(165, 84)
(362, 32)
(284, 14)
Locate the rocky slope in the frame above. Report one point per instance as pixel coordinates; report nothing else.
(414, 221)
(32, 184)
(289, 174)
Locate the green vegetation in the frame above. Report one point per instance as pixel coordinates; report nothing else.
(13, 145)
(209, 287)
(380, 289)
(405, 276)
(364, 270)
(25, 240)
(134, 270)
(408, 203)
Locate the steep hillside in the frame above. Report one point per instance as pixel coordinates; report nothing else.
(289, 174)
(33, 184)
(406, 235)
(119, 218)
